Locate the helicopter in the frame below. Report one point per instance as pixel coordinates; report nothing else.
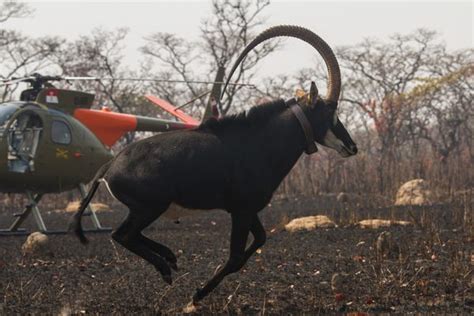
(51, 140)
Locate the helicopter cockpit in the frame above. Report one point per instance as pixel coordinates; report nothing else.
(6, 111)
(22, 135)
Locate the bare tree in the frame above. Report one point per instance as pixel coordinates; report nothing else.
(100, 55)
(447, 100)
(378, 75)
(13, 9)
(21, 56)
(445, 115)
(409, 104)
(231, 26)
(178, 59)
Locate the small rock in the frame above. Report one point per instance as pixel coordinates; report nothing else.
(339, 297)
(36, 244)
(309, 223)
(97, 207)
(190, 308)
(342, 197)
(340, 283)
(385, 246)
(413, 192)
(379, 223)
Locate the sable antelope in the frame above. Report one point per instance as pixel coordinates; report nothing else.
(234, 163)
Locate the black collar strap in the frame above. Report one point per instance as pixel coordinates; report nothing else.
(305, 125)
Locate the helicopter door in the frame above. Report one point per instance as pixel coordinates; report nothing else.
(23, 139)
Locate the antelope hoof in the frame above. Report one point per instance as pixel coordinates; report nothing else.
(198, 296)
(190, 308)
(167, 278)
(173, 266)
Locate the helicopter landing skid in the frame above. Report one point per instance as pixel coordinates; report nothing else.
(32, 208)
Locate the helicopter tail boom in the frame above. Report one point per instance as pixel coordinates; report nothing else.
(111, 126)
(165, 105)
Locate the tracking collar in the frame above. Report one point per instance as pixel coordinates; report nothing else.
(305, 125)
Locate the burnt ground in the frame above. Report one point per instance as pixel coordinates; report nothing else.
(291, 275)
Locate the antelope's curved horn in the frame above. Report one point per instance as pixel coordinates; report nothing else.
(334, 74)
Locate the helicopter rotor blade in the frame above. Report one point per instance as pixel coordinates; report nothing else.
(154, 80)
(11, 81)
(81, 78)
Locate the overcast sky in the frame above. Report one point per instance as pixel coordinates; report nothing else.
(338, 22)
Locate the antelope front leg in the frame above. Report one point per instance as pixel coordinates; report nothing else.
(161, 250)
(241, 223)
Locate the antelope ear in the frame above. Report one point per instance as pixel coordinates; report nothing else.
(299, 93)
(313, 94)
(301, 97)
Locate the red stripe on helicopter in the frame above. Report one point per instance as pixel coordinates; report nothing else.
(107, 126)
(168, 107)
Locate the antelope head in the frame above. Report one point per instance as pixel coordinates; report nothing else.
(321, 113)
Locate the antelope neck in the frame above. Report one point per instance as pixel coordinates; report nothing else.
(305, 125)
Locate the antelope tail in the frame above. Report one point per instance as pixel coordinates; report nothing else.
(76, 225)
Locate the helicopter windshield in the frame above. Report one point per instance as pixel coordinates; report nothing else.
(6, 111)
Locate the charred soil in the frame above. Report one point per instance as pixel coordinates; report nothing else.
(291, 274)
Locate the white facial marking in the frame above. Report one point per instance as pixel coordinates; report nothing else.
(330, 140)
